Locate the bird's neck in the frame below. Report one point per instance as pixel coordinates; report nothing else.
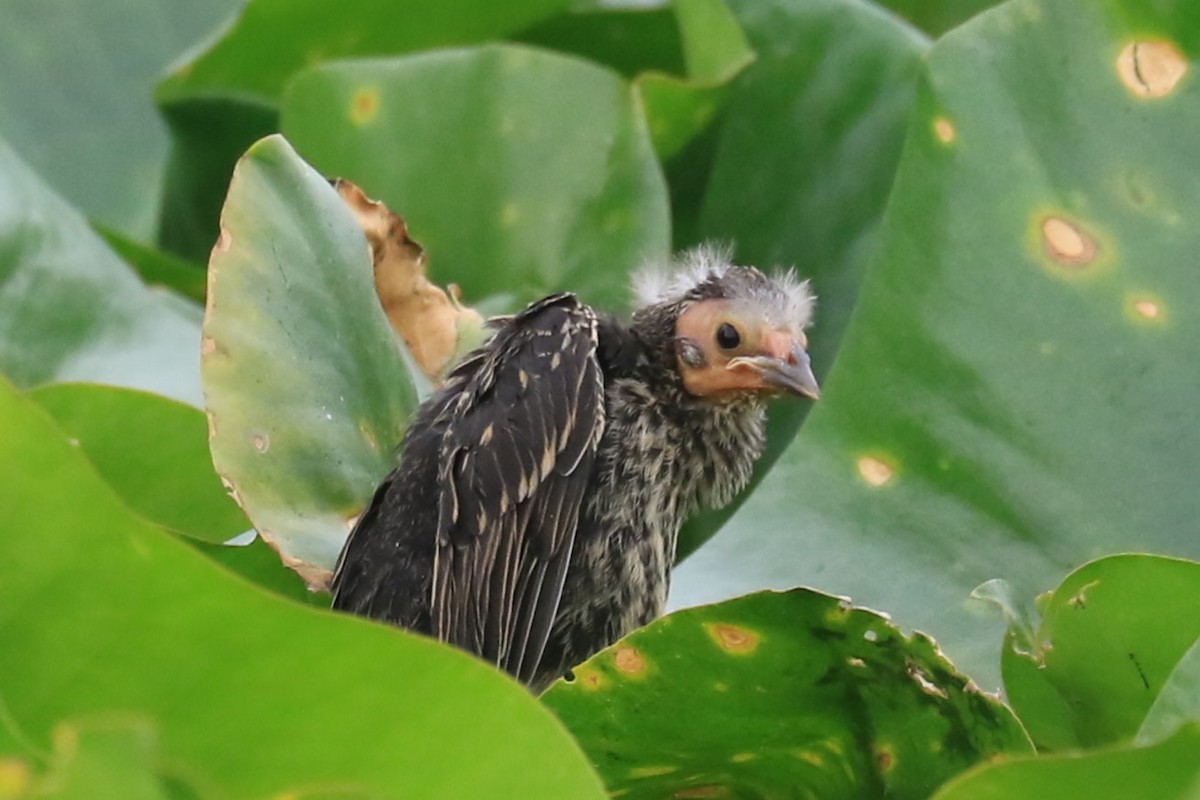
(709, 447)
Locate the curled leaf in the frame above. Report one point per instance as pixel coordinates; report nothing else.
(431, 321)
(306, 388)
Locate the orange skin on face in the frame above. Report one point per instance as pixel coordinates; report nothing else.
(717, 378)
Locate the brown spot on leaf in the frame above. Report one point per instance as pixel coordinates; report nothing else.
(262, 442)
(208, 346)
(432, 323)
(589, 679)
(224, 240)
(731, 638)
(628, 660)
(364, 106)
(874, 471)
(1147, 308)
(316, 578)
(1066, 243)
(14, 777)
(1152, 68)
(1144, 308)
(885, 759)
(943, 129)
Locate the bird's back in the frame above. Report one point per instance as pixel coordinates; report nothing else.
(470, 537)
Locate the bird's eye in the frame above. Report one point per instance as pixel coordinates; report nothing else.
(728, 336)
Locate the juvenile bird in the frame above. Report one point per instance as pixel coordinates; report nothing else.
(533, 517)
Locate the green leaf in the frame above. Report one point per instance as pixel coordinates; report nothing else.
(680, 57)
(259, 563)
(106, 757)
(631, 39)
(1169, 770)
(714, 47)
(1178, 702)
(1110, 637)
(936, 17)
(519, 171)
(254, 695)
(779, 695)
(227, 96)
(274, 39)
(75, 87)
(158, 268)
(152, 451)
(208, 136)
(994, 411)
(715, 51)
(306, 387)
(70, 310)
(804, 163)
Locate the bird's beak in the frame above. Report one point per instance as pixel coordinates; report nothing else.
(785, 365)
(793, 374)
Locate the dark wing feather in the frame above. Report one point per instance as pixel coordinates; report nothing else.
(516, 454)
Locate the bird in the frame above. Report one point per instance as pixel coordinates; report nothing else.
(533, 515)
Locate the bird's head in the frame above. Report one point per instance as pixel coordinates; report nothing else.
(734, 331)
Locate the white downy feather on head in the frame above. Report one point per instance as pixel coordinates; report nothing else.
(783, 293)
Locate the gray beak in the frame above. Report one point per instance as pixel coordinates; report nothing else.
(793, 374)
